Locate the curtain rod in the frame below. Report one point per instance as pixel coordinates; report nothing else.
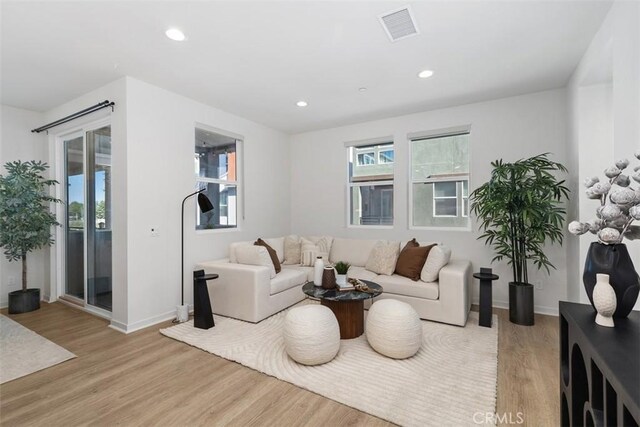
(92, 109)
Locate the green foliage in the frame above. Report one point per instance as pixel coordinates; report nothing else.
(342, 267)
(25, 219)
(520, 208)
(100, 209)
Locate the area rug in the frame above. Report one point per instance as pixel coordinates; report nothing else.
(23, 352)
(451, 381)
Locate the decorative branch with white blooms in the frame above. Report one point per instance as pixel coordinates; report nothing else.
(619, 205)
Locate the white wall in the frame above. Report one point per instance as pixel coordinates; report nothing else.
(18, 143)
(160, 174)
(510, 128)
(604, 121)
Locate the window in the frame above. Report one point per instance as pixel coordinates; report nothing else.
(440, 181)
(216, 169)
(371, 184)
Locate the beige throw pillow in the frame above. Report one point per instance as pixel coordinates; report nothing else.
(255, 255)
(438, 257)
(292, 250)
(383, 257)
(311, 250)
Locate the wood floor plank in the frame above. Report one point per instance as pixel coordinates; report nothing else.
(146, 379)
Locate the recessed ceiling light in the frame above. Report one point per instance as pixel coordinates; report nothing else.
(175, 34)
(362, 89)
(425, 74)
(301, 104)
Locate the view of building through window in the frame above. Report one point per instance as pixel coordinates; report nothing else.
(371, 184)
(216, 169)
(440, 181)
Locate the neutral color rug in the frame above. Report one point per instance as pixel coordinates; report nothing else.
(23, 352)
(452, 377)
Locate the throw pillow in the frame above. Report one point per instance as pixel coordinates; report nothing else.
(277, 243)
(310, 250)
(232, 249)
(255, 255)
(438, 257)
(412, 259)
(292, 249)
(272, 254)
(383, 257)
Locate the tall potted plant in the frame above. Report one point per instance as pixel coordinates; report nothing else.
(520, 209)
(25, 222)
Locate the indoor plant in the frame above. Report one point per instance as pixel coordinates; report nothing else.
(520, 210)
(619, 208)
(25, 222)
(341, 272)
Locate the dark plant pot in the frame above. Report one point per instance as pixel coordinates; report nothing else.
(24, 301)
(521, 303)
(615, 261)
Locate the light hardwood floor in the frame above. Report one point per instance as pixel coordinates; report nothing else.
(147, 379)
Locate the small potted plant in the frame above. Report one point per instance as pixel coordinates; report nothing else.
(25, 222)
(341, 272)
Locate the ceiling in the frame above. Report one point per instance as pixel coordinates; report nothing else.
(257, 59)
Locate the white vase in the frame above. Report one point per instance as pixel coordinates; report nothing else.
(341, 279)
(318, 268)
(604, 300)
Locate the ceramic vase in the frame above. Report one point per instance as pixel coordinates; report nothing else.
(318, 268)
(615, 261)
(329, 278)
(604, 300)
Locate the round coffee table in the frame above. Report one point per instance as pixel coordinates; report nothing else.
(348, 306)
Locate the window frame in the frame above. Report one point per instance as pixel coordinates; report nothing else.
(437, 133)
(381, 142)
(434, 197)
(202, 182)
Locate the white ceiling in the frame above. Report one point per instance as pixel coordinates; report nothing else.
(256, 59)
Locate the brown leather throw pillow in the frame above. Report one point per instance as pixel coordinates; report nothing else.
(412, 259)
(274, 255)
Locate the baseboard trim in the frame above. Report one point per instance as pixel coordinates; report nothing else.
(141, 324)
(538, 309)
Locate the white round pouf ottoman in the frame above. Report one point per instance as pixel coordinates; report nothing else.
(311, 334)
(394, 329)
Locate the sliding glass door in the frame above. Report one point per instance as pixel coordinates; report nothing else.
(88, 270)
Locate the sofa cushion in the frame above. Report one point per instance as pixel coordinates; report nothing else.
(411, 260)
(361, 273)
(255, 255)
(287, 279)
(310, 250)
(277, 243)
(232, 249)
(354, 251)
(438, 257)
(404, 286)
(308, 271)
(272, 254)
(383, 257)
(292, 249)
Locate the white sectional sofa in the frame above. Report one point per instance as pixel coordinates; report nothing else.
(248, 292)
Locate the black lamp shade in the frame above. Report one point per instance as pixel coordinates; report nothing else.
(204, 203)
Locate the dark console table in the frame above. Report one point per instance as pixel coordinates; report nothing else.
(599, 369)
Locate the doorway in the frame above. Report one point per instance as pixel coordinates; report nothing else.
(87, 277)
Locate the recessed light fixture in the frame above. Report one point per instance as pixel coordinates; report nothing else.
(425, 74)
(362, 89)
(175, 34)
(301, 104)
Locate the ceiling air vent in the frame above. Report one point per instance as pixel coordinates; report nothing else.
(399, 23)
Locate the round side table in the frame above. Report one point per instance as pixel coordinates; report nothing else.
(486, 277)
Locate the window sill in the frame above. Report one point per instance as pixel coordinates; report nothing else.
(218, 230)
(464, 229)
(374, 227)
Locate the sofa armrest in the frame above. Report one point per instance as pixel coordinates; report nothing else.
(454, 284)
(238, 289)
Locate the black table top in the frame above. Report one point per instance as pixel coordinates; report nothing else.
(617, 347)
(335, 295)
(206, 277)
(485, 276)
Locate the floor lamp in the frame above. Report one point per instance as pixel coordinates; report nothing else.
(205, 206)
